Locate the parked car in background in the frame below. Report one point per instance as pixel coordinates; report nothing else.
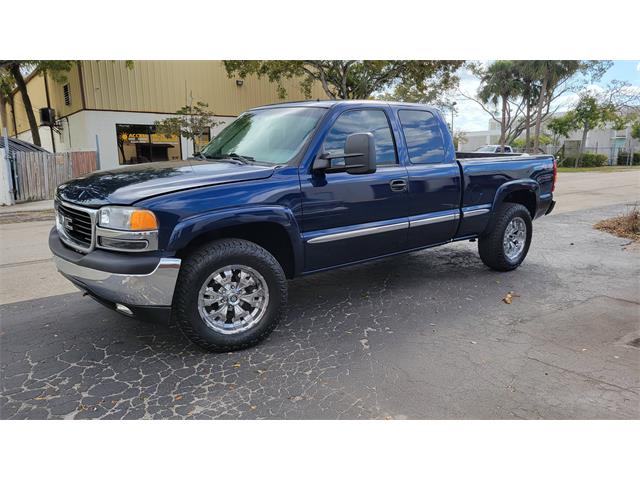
(494, 149)
(284, 191)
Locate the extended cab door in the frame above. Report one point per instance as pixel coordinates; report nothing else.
(347, 217)
(434, 178)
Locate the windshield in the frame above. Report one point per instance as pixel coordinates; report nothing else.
(273, 135)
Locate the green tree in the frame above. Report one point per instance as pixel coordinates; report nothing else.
(6, 87)
(590, 113)
(532, 106)
(561, 126)
(530, 91)
(191, 121)
(344, 79)
(17, 69)
(459, 138)
(58, 70)
(499, 83)
(635, 130)
(554, 77)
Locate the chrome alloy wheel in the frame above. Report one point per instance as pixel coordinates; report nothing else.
(233, 299)
(515, 238)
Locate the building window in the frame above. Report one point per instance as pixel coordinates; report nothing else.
(66, 91)
(141, 144)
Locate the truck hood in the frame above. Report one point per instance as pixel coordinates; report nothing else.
(127, 185)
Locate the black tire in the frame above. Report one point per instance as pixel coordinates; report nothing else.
(194, 272)
(490, 245)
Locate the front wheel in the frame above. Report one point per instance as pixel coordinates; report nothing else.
(230, 295)
(505, 247)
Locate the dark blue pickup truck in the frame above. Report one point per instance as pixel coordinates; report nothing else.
(283, 191)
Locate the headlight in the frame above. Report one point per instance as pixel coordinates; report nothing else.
(127, 218)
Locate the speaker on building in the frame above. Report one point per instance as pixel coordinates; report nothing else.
(47, 117)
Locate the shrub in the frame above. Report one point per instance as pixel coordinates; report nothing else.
(588, 160)
(623, 158)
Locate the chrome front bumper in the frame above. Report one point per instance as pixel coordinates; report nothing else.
(154, 289)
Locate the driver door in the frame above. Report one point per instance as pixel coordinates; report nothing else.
(350, 217)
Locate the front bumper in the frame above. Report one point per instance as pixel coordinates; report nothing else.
(153, 289)
(135, 283)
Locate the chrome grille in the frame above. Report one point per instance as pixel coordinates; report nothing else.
(76, 226)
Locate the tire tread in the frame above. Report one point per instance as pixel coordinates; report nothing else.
(189, 272)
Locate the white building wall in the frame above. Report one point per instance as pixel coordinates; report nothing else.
(79, 133)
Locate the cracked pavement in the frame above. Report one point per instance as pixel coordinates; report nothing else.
(419, 336)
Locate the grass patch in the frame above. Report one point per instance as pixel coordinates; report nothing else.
(597, 169)
(626, 225)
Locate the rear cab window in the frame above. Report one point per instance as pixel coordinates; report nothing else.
(422, 135)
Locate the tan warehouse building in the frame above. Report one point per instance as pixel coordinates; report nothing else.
(107, 106)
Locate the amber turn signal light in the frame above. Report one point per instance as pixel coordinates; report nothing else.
(143, 220)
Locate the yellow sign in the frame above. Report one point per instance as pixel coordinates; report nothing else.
(144, 138)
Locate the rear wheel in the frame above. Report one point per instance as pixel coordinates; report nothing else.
(505, 247)
(230, 295)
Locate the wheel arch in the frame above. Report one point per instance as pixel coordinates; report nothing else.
(274, 229)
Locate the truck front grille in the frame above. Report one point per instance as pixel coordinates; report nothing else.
(76, 226)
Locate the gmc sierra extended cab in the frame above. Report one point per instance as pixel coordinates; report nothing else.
(283, 191)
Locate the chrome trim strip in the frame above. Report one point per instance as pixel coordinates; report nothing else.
(474, 213)
(359, 233)
(152, 289)
(150, 236)
(431, 220)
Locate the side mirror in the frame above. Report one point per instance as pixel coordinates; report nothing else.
(359, 156)
(360, 153)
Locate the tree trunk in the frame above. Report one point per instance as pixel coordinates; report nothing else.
(4, 118)
(543, 94)
(503, 125)
(585, 130)
(22, 87)
(527, 118)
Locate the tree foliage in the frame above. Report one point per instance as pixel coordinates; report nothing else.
(459, 138)
(351, 79)
(499, 83)
(191, 122)
(562, 125)
(18, 69)
(635, 129)
(535, 87)
(7, 84)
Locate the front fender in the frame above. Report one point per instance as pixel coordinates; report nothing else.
(206, 223)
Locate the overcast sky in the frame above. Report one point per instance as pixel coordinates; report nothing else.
(470, 116)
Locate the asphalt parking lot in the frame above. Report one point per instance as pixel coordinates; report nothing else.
(420, 336)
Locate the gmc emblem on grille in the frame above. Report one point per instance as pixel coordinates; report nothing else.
(66, 222)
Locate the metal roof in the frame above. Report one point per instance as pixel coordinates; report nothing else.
(16, 145)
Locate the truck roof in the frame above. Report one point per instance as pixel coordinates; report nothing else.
(332, 103)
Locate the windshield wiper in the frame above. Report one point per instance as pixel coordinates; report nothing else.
(241, 157)
(232, 157)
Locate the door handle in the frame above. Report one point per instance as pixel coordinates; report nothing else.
(398, 185)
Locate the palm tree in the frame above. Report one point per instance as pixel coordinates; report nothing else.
(499, 83)
(530, 90)
(549, 73)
